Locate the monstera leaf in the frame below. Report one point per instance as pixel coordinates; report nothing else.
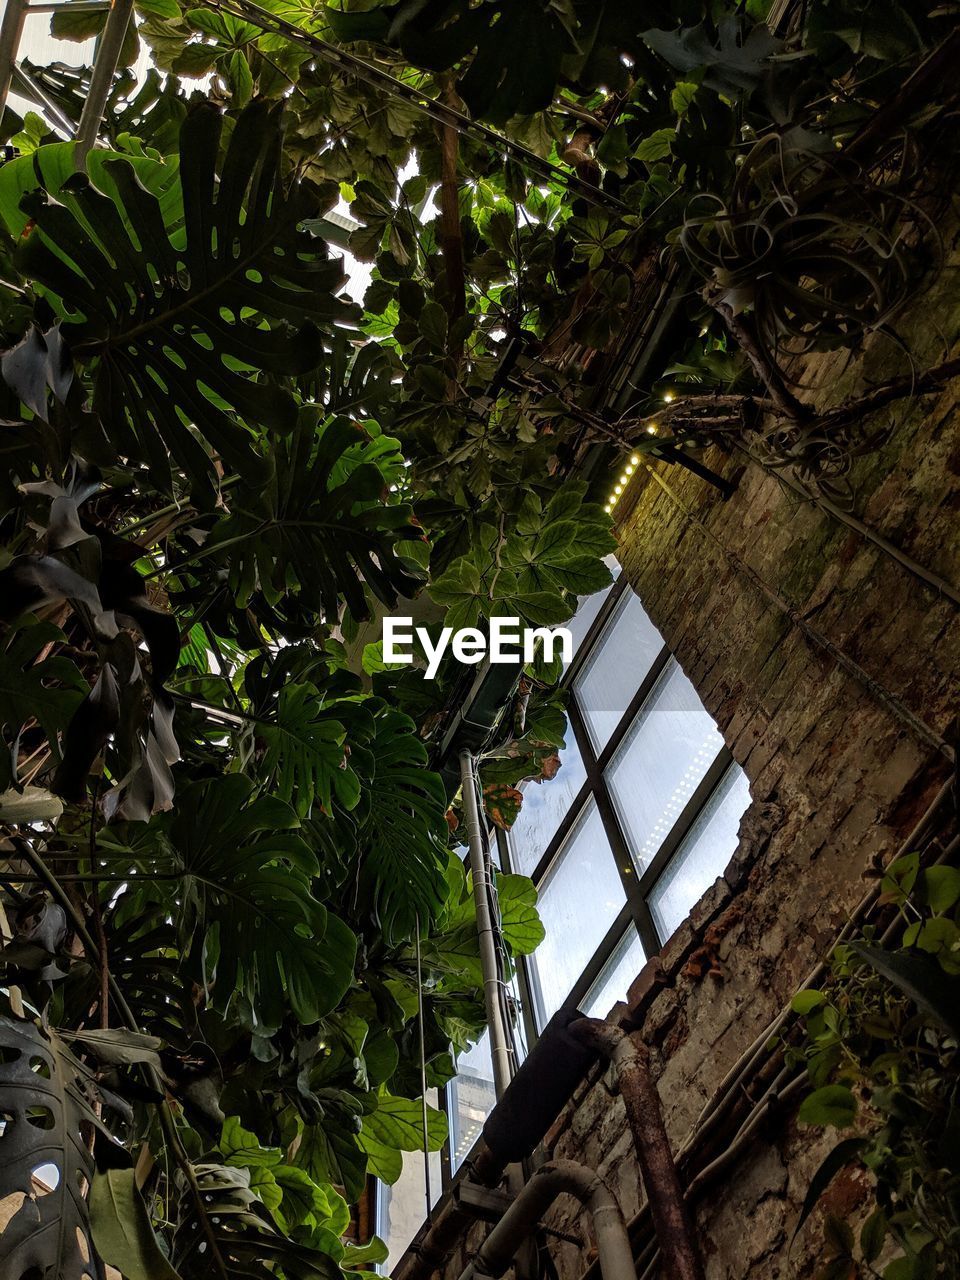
(314, 527)
(182, 288)
(247, 1238)
(44, 1109)
(304, 759)
(34, 685)
(246, 873)
(403, 835)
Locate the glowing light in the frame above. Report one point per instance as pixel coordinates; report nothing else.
(651, 430)
(634, 459)
(618, 489)
(668, 396)
(629, 471)
(612, 499)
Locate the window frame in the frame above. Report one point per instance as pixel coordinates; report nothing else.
(637, 885)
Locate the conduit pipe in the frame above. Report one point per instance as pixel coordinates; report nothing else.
(482, 896)
(521, 1219)
(671, 1218)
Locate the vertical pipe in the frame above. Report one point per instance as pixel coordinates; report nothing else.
(104, 65)
(423, 1079)
(532, 1201)
(482, 890)
(671, 1218)
(11, 30)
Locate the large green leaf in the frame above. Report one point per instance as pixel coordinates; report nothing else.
(47, 1110)
(313, 526)
(304, 758)
(921, 979)
(122, 1230)
(396, 1126)
(248, 874)
(35, 685)
(403, 834)
(247, 1237)
(184, 289)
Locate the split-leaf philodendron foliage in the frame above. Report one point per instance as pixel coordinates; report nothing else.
(228, 446)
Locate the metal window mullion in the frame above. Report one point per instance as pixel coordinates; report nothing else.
(689, 814)
(617, 840)
(593, 969)
(597, 626)
(635, 706)
(446, 1161)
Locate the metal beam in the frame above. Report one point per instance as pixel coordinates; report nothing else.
(11, 30)
(104, 65)
(489, 961)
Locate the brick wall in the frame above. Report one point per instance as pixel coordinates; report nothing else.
(832, 672)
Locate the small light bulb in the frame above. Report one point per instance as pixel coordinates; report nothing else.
(668, 396)
(612, 499)
(629, 471)
(608, 508)
(651, 430)
(624, 478)
(634, 459)
(618, 489)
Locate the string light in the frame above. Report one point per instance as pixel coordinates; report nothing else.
(651, 429)
(668, 397)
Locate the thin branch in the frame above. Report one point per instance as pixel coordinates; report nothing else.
(152, 1075)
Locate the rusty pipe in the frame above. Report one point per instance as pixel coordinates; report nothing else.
(520, 1220)
(671, 1217)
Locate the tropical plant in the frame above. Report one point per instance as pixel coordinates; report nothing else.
(881, 1051)
(226, 861)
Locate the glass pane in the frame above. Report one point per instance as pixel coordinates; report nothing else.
(544, 806)
(590, 606)
(661, 762)
(618, 973)
(703, 855)
(471, 1096)
(615, 669)
(580, 898)
(402, 1208)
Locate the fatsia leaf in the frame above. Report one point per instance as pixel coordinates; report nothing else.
(184, 286)
(362, 1256)
(248, 874)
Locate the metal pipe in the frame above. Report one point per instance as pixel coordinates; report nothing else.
(482, 894)
(671, 1218)
(520, 1220)
(423, 1075)
(29, 88)
(104, 65)
(11, 30)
